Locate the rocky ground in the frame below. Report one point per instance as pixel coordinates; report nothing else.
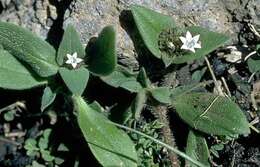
(232, 17)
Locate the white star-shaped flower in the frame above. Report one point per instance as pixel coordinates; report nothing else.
(189, 42)
(73, 59)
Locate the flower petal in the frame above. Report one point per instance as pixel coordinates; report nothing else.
(183, 40)
(74, 65)
(197, 45)
(188, 36)
(184, 47)
(79, 60)
(75, 55)
(196, 38)
(192, 49)
(68, 61)
(69, 56)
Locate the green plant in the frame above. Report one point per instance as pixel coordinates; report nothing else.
(40, 148)
(31, 62)
(205, 112)
(27, 61)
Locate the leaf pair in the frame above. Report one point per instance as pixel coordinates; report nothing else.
(35, 60)
(141, 86)
(101, 60)
(150, 24)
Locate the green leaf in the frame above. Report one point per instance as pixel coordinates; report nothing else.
(198, 74)
(44, 140)
(161, 94)
(70, 44)
(43, 143)
(76, 79)
(123, 78)
(111, 146)
(30, 144)
(48, 98)
(197, 149)
(15, 75)
(253, 64)
(26, 46)
(143, 79)
(211, 114)
(210, 41)
(184, 89)
(150, 24)
(102, 54)
(36, 164)
(46, 155)
(138, 104)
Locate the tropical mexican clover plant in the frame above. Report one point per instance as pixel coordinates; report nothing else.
(208, 113)
(27, 61)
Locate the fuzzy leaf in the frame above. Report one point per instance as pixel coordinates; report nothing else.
(253, 64)
(102, 55)
(210, 41)
(110, 146)
(197, 149)
(143, 79)
(123, 78)
(70, 44)
(26, 46)
(211, 114)
(150, 24)
(198, 74)
(138, 104)
(15, 75)
(184, 89)
(161, 94)
(76, 80)
(47, 98)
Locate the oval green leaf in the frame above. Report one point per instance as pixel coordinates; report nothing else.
(47, 98)
(70, 44)
(197, 148)
(102, 58)
(75, 79)
(161, 94)
(211, 114)
(15, 75)
(150, 24)
(26, 46)
(138, 104)
(123, 78)
(110, 146)
(253, 65)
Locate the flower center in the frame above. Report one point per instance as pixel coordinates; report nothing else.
(191, 43)
(74, 60)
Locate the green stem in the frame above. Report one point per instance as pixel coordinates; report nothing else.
(182, 154)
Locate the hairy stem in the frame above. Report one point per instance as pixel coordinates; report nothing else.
(161, 112)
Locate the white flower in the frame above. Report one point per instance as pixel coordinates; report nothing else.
(73, 59)
(190, 43)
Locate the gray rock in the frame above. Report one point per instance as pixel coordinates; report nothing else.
(89, 17)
